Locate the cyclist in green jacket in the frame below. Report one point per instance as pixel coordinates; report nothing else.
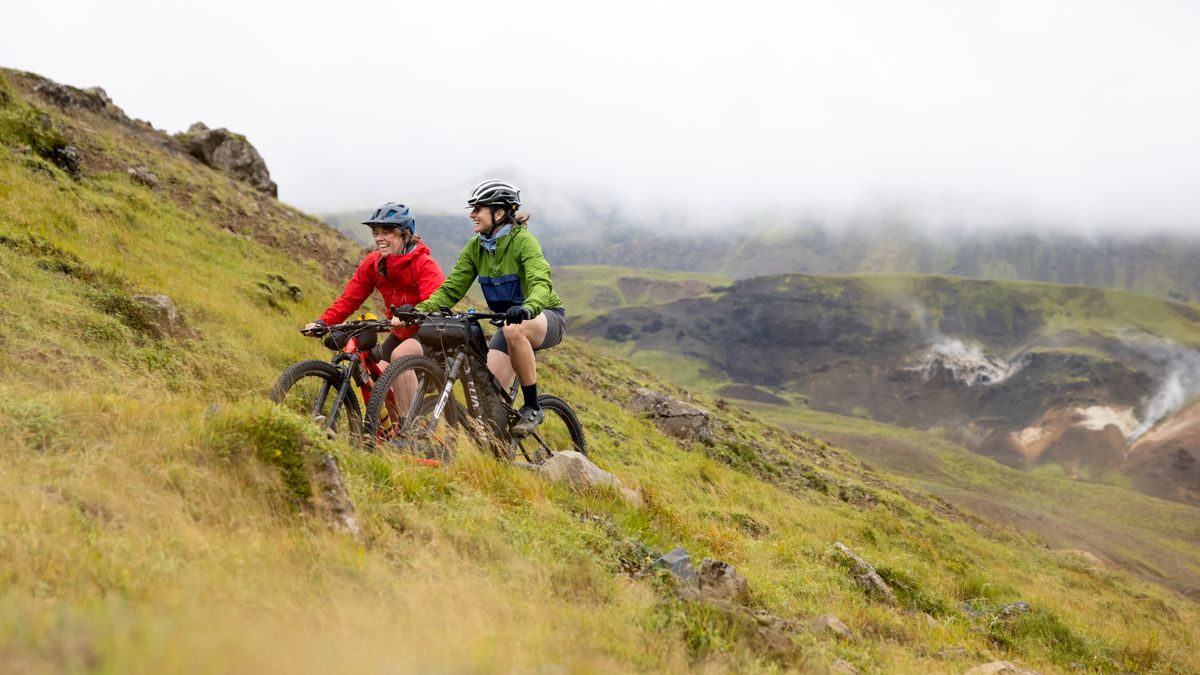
(515, 279)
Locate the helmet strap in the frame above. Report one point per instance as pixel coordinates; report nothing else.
(492, 220)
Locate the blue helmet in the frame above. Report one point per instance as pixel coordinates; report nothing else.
(392, 214)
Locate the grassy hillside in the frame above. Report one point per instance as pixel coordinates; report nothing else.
(152, 521)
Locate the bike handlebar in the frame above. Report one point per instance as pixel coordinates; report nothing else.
(352, 327)
(415, 317)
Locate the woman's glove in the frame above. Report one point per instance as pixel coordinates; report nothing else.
(517, 314)
(406, 308)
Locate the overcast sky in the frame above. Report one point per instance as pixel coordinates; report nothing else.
(1081, 111)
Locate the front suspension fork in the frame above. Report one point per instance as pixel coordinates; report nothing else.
(447, 391)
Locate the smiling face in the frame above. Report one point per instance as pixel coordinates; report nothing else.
(388, 239)
(485, 218)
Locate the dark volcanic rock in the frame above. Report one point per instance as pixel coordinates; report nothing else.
(673, 416)
(230, 153)
(65, 97)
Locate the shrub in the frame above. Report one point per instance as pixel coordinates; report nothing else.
(273, 435)
(34, 424)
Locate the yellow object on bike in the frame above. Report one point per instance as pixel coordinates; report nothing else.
(367, 316)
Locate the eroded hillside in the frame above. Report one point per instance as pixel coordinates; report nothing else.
(154, 521)
(1026, 373)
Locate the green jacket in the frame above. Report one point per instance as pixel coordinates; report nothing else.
(517, 274)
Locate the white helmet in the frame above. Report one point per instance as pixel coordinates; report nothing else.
(495, 193)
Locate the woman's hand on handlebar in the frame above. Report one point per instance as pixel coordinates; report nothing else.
(402, 315)
(317, 327)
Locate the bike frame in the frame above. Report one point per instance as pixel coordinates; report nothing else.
(357, 366)
(458, 363)
(459, 367)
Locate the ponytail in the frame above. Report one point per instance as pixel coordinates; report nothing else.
(515, 218)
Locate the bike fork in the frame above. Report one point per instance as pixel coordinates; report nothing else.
(451, 376)
(341, 396)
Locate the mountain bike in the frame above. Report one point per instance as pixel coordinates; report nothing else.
(324, 391)
(457, 354)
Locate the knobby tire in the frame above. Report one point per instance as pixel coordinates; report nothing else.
(292, 390)
(431, 380)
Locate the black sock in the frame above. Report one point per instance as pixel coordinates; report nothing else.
(530, 394)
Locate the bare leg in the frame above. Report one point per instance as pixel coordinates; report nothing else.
(406, 385)
(501, 366)
(521, 339)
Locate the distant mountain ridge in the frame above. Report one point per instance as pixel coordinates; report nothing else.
(1162, 265)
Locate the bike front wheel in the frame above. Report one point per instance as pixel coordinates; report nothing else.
(310, 388)
(402, 409)
(560, 430)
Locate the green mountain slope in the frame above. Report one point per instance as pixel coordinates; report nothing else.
(153, 519)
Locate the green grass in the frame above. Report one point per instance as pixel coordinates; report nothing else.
(590, 289)
(156, 516)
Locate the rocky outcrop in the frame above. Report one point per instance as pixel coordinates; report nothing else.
(864, 573)
(141, 174)
(331, 498)
(720, 581)
(66, 97)
(576, 470)
(679, 419)
(229, 153)
(718, 585)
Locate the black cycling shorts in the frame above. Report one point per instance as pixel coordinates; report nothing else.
(556, 327)
(384, 351)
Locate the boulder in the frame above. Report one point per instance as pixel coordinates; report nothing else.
(69, 159)
(720, 581)
(229, 153)
(141, 174)
(1014, 609)
(999, 668)
(679, 419)
(834, 626)
(679, 563)
(575, 469)
(161, 309)
(865, 574)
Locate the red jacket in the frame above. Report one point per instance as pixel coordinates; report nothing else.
(411, 278)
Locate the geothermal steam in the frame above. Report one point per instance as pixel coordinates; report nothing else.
(1180, 383)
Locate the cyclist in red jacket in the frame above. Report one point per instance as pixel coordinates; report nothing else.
(404, 273)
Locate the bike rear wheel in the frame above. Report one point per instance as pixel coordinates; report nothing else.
(411, 428)
(560, 430)
(300, 388)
